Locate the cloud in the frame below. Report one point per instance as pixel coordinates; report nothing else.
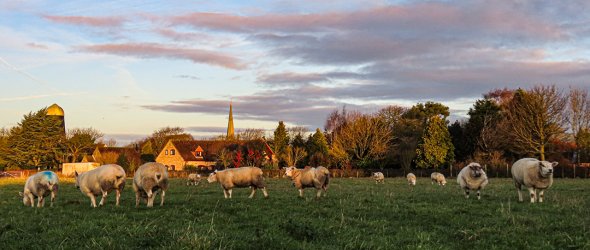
(105, 22)
(188, 77)
(38, 46)
(153, 50)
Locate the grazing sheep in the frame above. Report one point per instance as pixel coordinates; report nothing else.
(239, 177)
(193, 179)
(439, 178)
(100, 181)
(148, 179)
(378, 176)
(472, 177)
(38, 186)
(411, 179)
(309, 177)
(533, 174)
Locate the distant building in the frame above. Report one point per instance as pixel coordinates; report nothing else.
(230, 125)
(57, 112)
(178, 154)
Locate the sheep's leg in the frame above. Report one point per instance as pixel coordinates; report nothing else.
(104, 197)
(117, 196)
(518, 187)
(319, 193)
(225, 193)
(541, 195)
(478, 194)
(150, 198)
(40, 201)
(301, 192)
(52, 198)
(229, 192)
(264, 192)
(92, 199)
(162, 195)
(466, 193)
(31, 199)
(137, 198)
(533, 194)
(253, 192)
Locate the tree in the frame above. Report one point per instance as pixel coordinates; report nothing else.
(147, 152)
(4, 134)
(317, 143)
(294, 155)
(535, 117)
(578, 116)
(481, 128)
(224, 157)
(365, 138)
(281, 141)
(423, 112)
(436, 147)
(408, 132)
(462, 142)
(37, 141)
(80, 140)
(237, 160)
(251, 134)
(161, 136)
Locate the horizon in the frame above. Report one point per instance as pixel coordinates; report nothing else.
(127, 69)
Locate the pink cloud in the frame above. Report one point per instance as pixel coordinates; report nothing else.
(87, 21)
(152, 50)
(37, 46)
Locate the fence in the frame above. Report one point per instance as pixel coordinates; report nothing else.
(560, 171)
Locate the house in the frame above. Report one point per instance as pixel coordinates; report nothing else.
(178, 154)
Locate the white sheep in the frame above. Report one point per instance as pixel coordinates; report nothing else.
(472, 177)
(39, 186)
(193, 179)
(239, 177)
(534, 174)
(150, 178)
(411, 179)
(100, 181)
(439, 178)
(309, 177)
(378, 177)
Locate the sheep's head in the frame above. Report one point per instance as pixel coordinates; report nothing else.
(26, 200)
(475, 170)
(546, 168)
(212, 177)
(77, 179)
(289, 171)
(444, 181)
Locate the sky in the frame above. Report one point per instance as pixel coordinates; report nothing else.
(127, 68)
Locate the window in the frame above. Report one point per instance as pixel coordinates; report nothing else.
(172, 152)
(199, 153)
(173, 168)
(166, 152)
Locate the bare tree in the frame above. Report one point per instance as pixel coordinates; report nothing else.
(250, 134)
(297, 130)
(294, 155)
(81, 139)
(535, 117)
(578, 115)
(224, 157)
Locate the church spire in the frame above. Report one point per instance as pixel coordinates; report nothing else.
(230, 124)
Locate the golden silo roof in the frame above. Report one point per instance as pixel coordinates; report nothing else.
(55, 110)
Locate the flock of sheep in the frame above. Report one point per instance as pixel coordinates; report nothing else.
(152, 178)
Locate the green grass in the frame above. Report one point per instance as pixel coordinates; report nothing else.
(356, 214)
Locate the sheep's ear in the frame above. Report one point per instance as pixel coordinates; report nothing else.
(553, 164)
(76, 173)
(21, 194)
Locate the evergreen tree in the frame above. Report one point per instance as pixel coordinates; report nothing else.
(436, 147)
(317, 148)
(147, 152)
(281, 141)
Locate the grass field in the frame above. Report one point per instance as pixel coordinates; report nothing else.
(356, 214)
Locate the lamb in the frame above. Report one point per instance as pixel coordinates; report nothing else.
(411, 179)
(378, 176)
(309, 177)
(439, 178)
(150, 178)
(193, 179)
(472, 177)
(239, 177)
(39, 186)
(100, 181)
(535, 175)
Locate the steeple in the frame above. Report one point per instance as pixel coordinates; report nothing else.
(230, 124)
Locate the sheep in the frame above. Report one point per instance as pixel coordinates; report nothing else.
(378, 176)
(193, 179)
(472, 177)
(39, 186)
(148, 179)
(239, 177)
(411, 179)
(100, 181)
(439, 178)
(309, 177)
(535, 175)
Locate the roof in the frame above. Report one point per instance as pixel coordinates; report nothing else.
(56, 110)
(210, 149)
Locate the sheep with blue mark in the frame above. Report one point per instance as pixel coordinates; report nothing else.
(39, 186)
